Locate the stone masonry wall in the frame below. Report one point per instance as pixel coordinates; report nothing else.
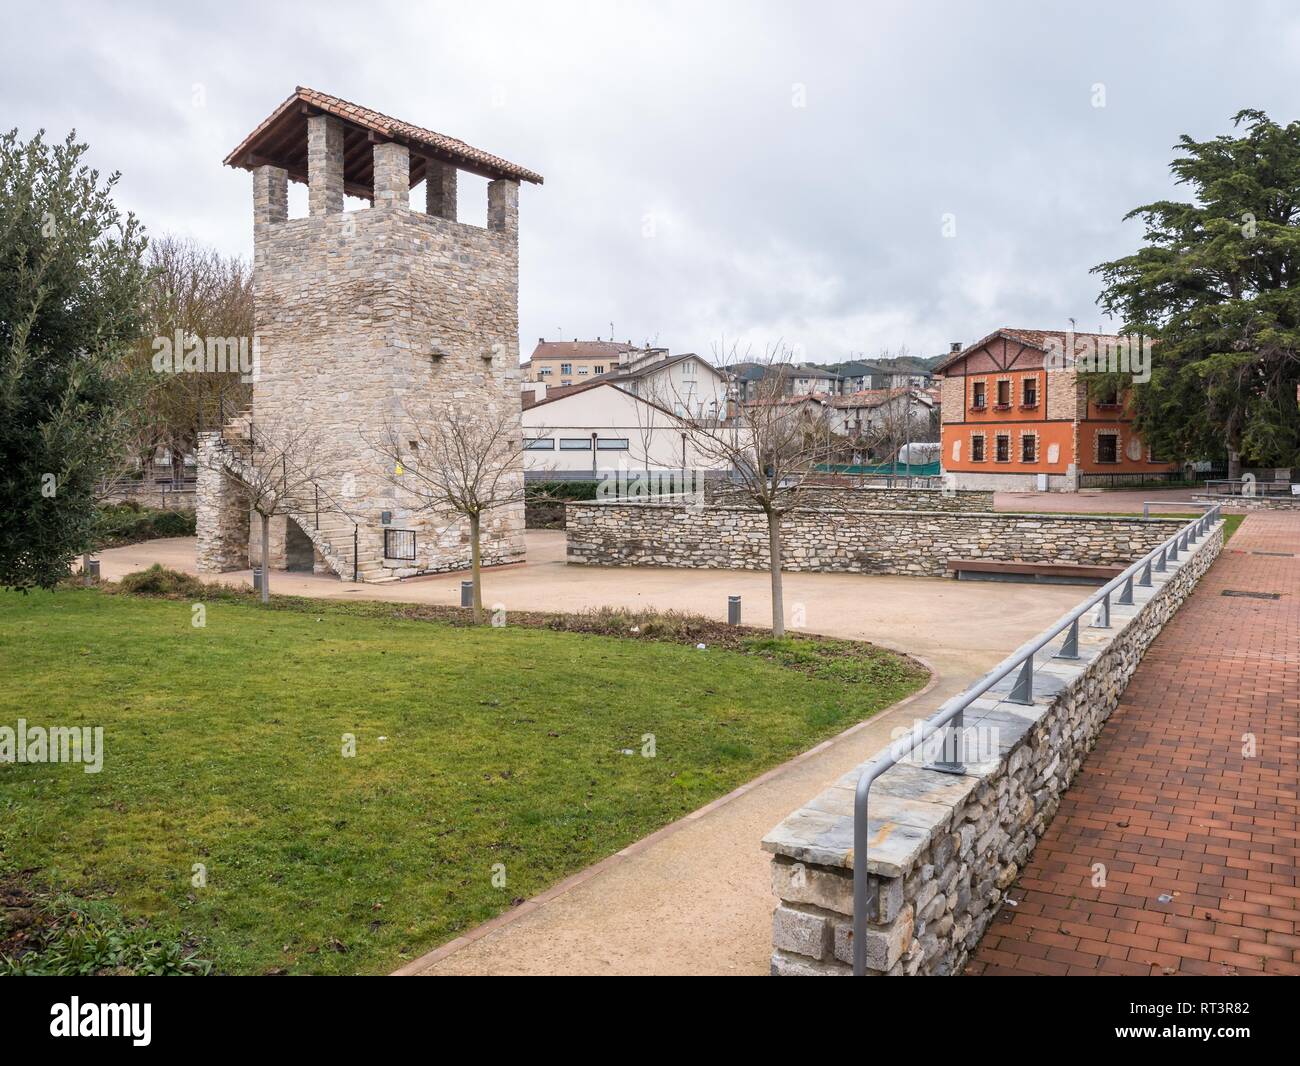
(1250, 503)
(852, 498)
(917, 543)
(945, 848)
(360, 312)
(221, 520)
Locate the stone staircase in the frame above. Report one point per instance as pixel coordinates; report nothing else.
(333, 532)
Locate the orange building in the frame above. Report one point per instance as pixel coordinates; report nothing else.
(1013, 418)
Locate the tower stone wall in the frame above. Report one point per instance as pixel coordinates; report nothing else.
(365, 316)
(362, 315)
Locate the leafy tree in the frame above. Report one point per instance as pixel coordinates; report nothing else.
(1214, 286)
(71, 285)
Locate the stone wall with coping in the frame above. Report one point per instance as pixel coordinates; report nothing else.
(917, 543)
(867, 498)
(945, 848)
(1250, 503)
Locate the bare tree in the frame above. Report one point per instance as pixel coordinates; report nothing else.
(657, 417)
(277, 466)
(204, 300)
(771, 443)
(890, 422)
(457, 460)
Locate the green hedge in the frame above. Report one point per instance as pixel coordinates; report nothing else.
(129, 523)
(561, 490)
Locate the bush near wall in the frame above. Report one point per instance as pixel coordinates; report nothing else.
(544, 501)
(129, 523)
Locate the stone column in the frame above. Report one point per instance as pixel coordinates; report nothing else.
(270, 195)
(503, 206)
(392, 175)
(221, 514)
(324, 165)
(440, 189)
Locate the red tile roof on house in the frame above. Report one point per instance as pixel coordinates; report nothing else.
(576, 349)
(281, 140)
(1034, 338)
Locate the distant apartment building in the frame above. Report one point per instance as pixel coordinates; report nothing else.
(793, 379)
(1014, 420)
(899, 373)
(903, 413)
(574, 362)
(687, 384)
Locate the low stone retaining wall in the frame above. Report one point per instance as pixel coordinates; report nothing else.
(866, 498)
(917, 543)
(945, 848)
(1250, 503)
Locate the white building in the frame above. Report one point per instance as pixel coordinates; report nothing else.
(873, 411)
(689, 386)
(603, 426)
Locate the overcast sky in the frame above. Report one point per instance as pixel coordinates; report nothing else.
(749, 171)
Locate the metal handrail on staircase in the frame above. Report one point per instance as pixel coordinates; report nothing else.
(950, 714)
(283, 458)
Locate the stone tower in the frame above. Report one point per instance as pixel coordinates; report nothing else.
(358, 313)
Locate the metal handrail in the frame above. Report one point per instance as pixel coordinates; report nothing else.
(283, 458)
(950, 713)
(1262, 486)
(1148, 504)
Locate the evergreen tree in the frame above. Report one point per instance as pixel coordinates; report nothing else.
(71, 287)
(1215, 285)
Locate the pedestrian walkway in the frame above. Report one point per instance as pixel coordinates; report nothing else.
(1177, 848)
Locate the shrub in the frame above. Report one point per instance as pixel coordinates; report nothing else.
(561, 490)
(159, 581)
(174, 523)
(129, 523)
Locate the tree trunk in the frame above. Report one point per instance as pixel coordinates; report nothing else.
(1234, 463)
(774, 550)
(266, 559)
(476, 568)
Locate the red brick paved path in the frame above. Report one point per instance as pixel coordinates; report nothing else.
(1170, 805)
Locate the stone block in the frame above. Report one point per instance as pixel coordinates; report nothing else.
(801, 931)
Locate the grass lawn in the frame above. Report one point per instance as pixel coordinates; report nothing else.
(504, 753)
(1231, 522)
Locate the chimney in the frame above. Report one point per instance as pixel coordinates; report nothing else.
(955, 346)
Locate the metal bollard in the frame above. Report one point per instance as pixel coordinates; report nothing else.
(92, 571)
(467, 594)
(257, 579)
(733, 610)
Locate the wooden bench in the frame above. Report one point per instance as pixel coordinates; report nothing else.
(1047, 573)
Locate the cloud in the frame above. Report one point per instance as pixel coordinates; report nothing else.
(759, 170)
